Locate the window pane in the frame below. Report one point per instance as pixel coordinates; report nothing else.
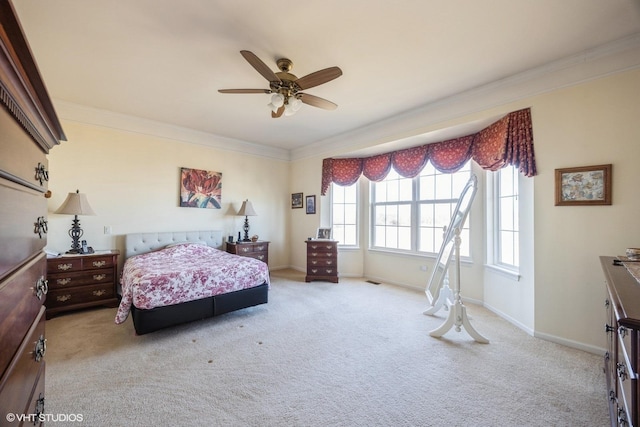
(427, 240)
(427, 187)
(392, 237)
(350, 214)
(404, 215)
(442, 215)
(338, 214)
(350, 235)
(404, 238)
(506, 214)
(406, 189)
(379, 236)
(380, 215)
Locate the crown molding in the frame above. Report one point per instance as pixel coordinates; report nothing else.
(72, 112)
(615, 57)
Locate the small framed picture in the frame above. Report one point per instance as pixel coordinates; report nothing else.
(296, 200)
(585, 185)
(311, 204)
(323, 234)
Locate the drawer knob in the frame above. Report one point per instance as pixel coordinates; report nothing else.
(99, 277)
(314, 253)
(622, 371)
(41, 348)
(329, 262)
(260, 257)
(314, 246)
(64, 281)
(65, 267)
(40, 226)
(63, 298)
(99, 292)
(39, 408)
(41, 288)
(329, 271)
(42, 174)
(622, 331)
(99, 263)
(622, 417)
(314, 270)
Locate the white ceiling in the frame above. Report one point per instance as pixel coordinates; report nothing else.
(164, 60)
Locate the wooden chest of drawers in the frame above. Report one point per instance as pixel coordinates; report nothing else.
(29, 128)
(622, 360)
(322, 260)
(258, 250)
(80, 281)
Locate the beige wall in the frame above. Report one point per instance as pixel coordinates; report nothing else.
(132, 182)
(560, 295)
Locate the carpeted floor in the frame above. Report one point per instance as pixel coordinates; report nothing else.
(318, 354)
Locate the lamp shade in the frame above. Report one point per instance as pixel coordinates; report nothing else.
(247, 209)
(75, 204)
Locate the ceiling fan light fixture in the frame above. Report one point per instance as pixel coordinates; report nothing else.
(277, 100)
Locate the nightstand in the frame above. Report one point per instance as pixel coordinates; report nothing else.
(80, 281)
(258, 250)
(322, 260)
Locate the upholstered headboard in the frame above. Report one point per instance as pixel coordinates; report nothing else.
(140, 243)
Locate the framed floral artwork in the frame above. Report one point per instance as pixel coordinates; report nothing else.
(200, 189)
(585, 185)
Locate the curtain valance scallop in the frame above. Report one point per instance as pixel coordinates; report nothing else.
(509, 141)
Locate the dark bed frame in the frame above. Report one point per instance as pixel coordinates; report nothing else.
(145, 321)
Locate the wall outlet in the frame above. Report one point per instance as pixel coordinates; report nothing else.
(107, 229)
(423, 268)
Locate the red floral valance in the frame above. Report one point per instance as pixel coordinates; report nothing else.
(509, 141)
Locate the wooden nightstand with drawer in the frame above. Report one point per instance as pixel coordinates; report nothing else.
(81, 281)
(258, 250)
(322, 260)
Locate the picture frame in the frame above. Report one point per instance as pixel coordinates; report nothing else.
(323, 233)
(200, 189)
(583, 186)
(296, 200)
(311, 204)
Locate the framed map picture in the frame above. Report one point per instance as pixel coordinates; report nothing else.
(585, 185)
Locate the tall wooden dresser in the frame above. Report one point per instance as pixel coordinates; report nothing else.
(29, 128)
(322, 260)
(622, 360)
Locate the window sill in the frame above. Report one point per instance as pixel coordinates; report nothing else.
(511, 274)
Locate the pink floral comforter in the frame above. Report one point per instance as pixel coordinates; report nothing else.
(185, 273)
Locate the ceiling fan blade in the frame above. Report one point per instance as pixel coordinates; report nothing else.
(278, 113)
(318, 78)
(260, 66)
(244, 91)
(316, 101)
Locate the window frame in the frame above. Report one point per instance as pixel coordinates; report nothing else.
(415, 206)
(357, 204)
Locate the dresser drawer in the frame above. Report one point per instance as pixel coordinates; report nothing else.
(321, 247)
(321, 262)
(262, 256)
(19, 302)
(79, 295)
(19, 240)
(322, 271)
(62, 265)
(68, 280)
(20, 157)
(17, 384)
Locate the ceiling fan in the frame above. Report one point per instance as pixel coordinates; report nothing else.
(286, 88)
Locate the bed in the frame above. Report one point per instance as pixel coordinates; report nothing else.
(177, 277)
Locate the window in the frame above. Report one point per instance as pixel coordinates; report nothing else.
(507, 236)
(410, 213)
(344, 214)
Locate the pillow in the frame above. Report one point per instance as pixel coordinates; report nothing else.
(170, 245)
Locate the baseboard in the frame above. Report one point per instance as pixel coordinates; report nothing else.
(570, 343)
